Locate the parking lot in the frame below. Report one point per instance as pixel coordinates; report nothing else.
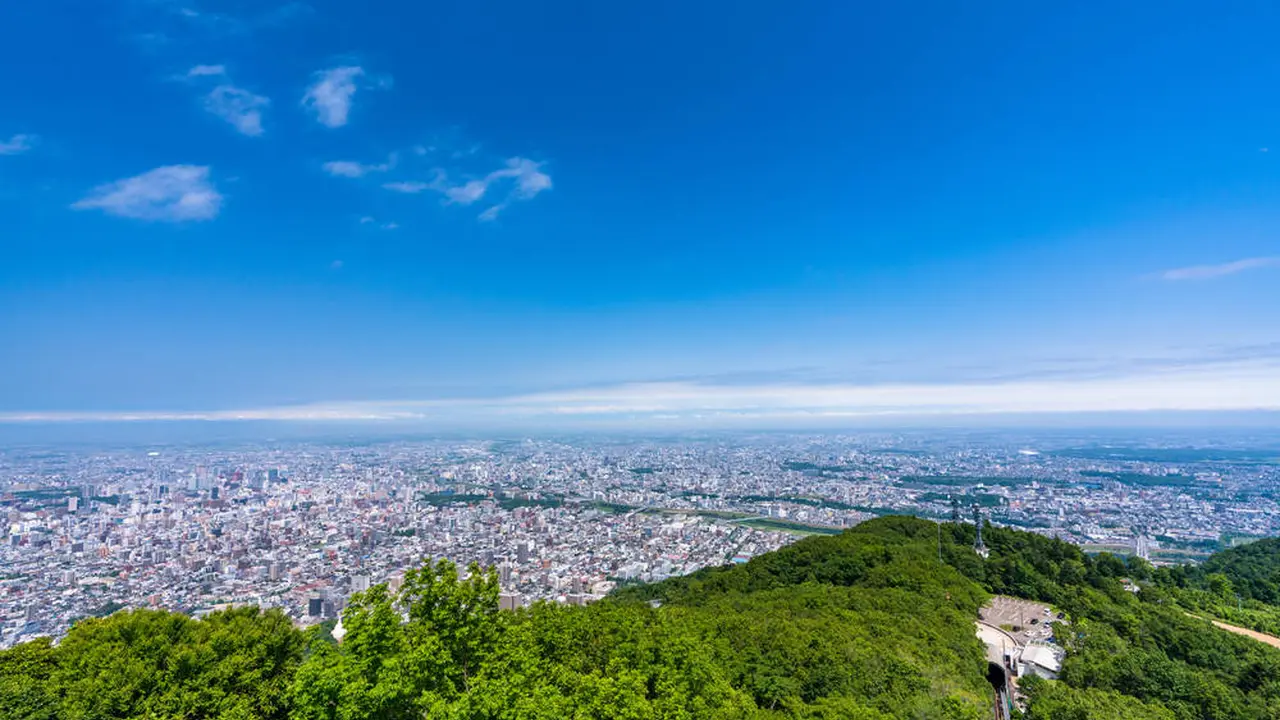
(1024, 619)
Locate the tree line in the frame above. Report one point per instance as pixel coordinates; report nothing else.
(872, 624)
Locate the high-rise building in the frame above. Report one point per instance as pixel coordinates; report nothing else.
(1142, 546)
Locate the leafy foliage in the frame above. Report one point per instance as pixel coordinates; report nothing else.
(235, 664)
(869, 624)
(1142, 645)
(1253, 570)
(1059, 701)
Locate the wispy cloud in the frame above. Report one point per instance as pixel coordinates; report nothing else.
(409, 187)
(223, 24)
(284, 14)
(468, 192)
(529, 182)
(330, 96)
(1208, 272)
(1224, 387)
(209, 21)
(239, 107)
(206, 71)
(525, 178)
(352, 169)
(367, 220)
(151, 42)
(173, 193)
(18, 144)
(345, 168)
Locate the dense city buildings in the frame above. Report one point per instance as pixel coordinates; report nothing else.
(302, 526)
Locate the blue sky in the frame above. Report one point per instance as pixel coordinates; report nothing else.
(661, 210)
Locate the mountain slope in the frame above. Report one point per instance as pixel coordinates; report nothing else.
(867, 624)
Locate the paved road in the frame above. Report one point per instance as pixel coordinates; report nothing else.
(997, 641)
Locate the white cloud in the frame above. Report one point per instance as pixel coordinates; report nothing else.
(468, 192)
(206, 71)
(527, 178)
(352, 169)
(173, 193)
(344, 168)
(18, 144)
(369, 220)
(330, 96)
(1225, 387)
(219, 24)
(410, 188)
(530, 180)
(212, 22)
(239, 107)
(1208, 272)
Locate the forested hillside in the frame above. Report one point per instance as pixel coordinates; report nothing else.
(868, 624)
(1143, 645)
(1241, 585)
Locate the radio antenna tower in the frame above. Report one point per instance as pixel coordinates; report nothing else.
(979, 546)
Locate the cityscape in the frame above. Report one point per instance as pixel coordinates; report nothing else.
(616, 361)
(303, 525)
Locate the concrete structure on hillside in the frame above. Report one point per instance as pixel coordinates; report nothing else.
(1040, 659)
